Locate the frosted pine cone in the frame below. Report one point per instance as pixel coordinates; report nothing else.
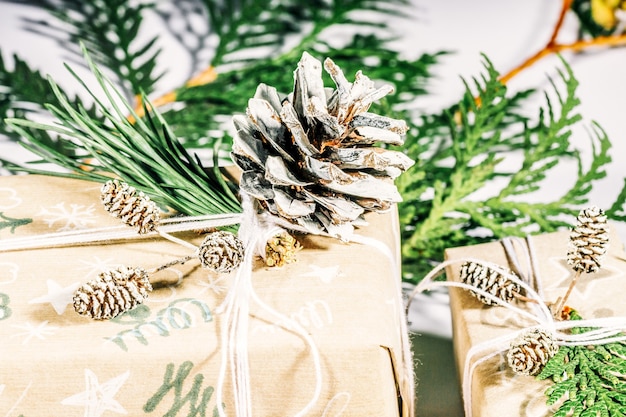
(134, 209)
(308, 158)
(589, 241)
(112, 293)
(530, 351)
(489, 280)
(221, 252)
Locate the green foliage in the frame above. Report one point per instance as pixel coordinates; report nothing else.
(275, 22)
(206, 106)
(108, 29)
(23, 92)
(591, 378)
(464, 149)
(146, 154)
(618, 209)
(483, 142)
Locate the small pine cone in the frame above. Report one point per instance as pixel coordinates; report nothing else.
(134, 209)
(112, 293)
(489, 280)
(281, 249)
(530, 351)
(588, 241)
(221, 252)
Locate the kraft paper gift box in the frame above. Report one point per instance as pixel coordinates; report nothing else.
(495, 389)
(163, 357)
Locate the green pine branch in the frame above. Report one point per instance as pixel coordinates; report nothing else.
(146, 154)
(591, 379)
(461, 152)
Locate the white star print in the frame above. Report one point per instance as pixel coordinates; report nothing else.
(40, 331)
(98, 398)
(325, 274)
(586, 282)
(57, 295)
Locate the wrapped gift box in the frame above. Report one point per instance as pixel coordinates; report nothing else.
(162, 358)
(495, 389)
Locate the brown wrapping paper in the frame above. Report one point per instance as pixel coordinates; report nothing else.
(495, 390)
(163, 358)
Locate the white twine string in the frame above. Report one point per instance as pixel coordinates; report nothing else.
(254, 232)
(113, 233)
(256, 229)
(610, 329)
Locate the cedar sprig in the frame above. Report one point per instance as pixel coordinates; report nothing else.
(591, 378)
(109, 30)
(466, 156)
(206, 106)
(146, 153)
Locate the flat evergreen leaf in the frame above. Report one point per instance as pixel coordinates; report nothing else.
(201, 110)
(465, 149)
(591, 378)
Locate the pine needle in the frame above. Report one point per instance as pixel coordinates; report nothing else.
(145, 154)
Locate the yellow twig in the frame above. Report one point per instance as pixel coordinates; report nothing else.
(205, 77)
(552, 46)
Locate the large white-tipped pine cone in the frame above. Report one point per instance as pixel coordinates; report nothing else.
(588, 241)
(133, 208)
(308, 157)
(112, 293)
(530, 351)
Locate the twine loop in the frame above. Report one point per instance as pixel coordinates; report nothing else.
(521, 252)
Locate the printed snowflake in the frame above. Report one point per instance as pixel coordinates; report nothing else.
(214, 285)
(98, 265)
(39, 331)
(74, 218)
